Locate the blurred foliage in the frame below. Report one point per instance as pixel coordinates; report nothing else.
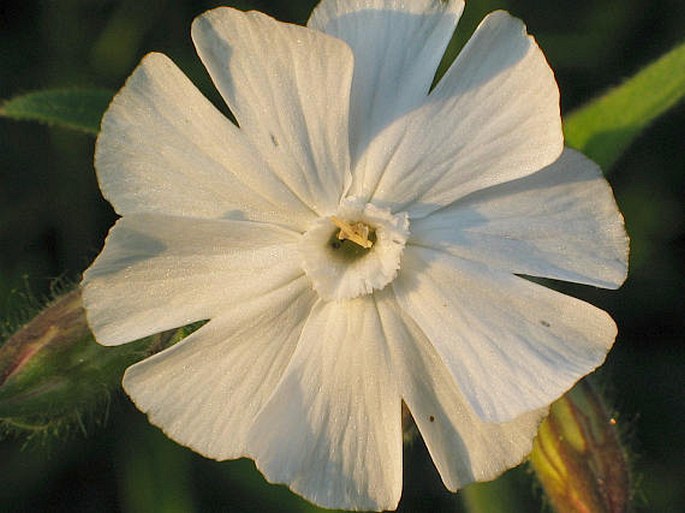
(605, 127)
(53, 221)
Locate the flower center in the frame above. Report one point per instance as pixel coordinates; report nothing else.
(355, 251)
(359, 233)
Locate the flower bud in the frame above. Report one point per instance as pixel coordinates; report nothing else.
(51, 368)
(578, 458)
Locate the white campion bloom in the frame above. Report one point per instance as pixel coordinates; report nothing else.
(356, 242)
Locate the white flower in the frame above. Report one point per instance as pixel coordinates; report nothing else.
(356, 242)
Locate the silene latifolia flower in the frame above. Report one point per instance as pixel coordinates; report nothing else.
(356, 242)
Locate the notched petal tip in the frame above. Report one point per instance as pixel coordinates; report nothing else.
(506, 21)
(496, 116)
(615, 231)
(340, 408)
(288, 88)
(538, 341)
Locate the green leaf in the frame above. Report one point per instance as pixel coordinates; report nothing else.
(78, 109)
(605, 127)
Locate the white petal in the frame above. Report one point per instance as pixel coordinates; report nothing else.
(463, 447)
(164, 148)
(511, 345)
(397, 47)
(289, 89)
(492, 118)
(156, 273)
(205, 391)
(560, 223)
(332, 429)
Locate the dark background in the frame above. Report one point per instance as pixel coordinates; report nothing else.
(53, 221)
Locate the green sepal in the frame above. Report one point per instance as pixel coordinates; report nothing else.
(578, 456)
(77, 109)
(52, 371)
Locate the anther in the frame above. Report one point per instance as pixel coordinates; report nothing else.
(357, 232)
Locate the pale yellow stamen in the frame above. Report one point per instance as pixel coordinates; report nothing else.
(357, 232)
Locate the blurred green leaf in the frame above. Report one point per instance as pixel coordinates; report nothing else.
(156, 474)
(605, 127)
(259, 495)
(78, 109)
(506, 494)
